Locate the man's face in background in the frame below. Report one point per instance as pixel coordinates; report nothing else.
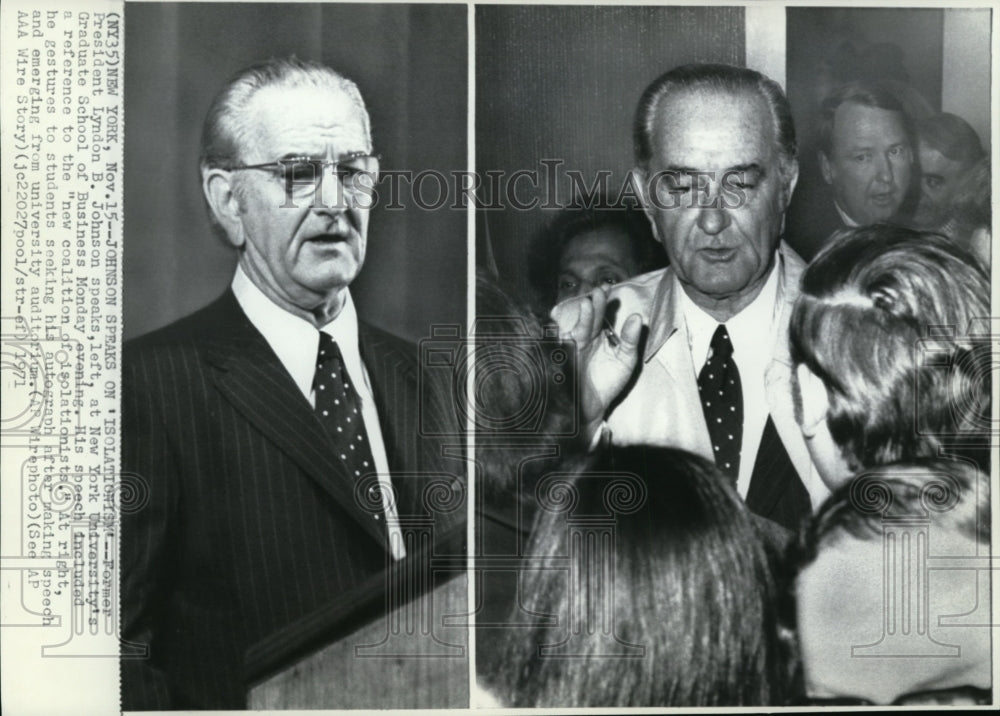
(869, 164)
(939, 177)
(598, 258)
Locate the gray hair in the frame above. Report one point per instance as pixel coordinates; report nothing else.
(713, 78)
(224, 131)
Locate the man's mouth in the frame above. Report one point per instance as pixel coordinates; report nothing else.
(884, 199)
(718, 255)
(328, 238)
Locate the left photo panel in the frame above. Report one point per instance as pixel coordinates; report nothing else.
(237, 474)
(304, 530)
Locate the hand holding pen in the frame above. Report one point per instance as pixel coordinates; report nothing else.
(605, 359)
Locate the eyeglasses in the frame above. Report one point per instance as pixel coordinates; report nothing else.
(303, 176)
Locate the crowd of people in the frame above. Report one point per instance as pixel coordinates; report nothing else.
(885, 155)
(755, 431)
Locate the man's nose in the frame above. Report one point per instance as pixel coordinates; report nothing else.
(584, 287)
(330, 194)
(883, 169)
(713, 219)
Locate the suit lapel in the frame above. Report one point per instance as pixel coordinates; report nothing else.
(394, 388)
(675, 355)
(775, 490)
(253, 380)
(769, 479)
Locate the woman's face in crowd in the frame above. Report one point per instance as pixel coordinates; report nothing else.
(596, 258)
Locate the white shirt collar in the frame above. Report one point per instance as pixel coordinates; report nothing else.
(744, 328)
(848, 221)
(296, 341)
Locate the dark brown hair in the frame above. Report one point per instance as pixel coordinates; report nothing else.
(693, 603)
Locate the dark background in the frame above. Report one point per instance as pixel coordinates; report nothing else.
(562, 83)
(410, 62)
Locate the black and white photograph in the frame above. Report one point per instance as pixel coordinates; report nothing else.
(764, 233)
(286, 440)
(487, 357)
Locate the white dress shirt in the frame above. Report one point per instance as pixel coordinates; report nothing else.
(662, 406)
(752, 348)
(296, 343)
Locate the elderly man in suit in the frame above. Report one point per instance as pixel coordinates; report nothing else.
(277, 433)
(696, 355)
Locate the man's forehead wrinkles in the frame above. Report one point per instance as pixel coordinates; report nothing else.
(333, 132)
(305, 121)
(871, 146)
(335, 142)
(681, 169)
(718, 147)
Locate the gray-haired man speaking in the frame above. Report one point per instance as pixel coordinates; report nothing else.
(697, 353)
(273, 426)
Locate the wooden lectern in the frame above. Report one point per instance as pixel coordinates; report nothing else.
(399, 641)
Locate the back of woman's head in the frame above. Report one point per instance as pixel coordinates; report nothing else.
(687, 617)
(951, 494)
(523, 390)
(883, 319)
(861, 553)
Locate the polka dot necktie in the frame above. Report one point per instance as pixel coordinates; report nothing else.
(722, 400)
(338, 407)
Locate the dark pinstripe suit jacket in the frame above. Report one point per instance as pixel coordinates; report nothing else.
(250, 522)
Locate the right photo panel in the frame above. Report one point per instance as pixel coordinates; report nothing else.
(733, 357)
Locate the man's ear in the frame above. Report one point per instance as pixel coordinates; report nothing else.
(791, 179)
(218, 187)
(640, 180)
(824, 167)
(815, 401)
